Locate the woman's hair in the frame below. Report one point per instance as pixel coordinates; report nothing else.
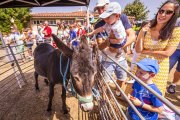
(167, 30)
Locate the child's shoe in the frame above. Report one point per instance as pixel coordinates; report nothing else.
(171, 89)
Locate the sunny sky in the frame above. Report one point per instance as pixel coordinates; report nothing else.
(152, 6)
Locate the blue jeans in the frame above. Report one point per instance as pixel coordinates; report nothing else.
(114, 68)
(29, 46)
(175, 57)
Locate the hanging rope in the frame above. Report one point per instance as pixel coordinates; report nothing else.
(65, 72)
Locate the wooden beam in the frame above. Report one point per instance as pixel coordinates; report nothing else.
(76, 1)
(37, 2)
(47, 3)
(7, 1)
(31, 3)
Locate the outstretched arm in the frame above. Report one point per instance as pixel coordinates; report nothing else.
(14, 25)
(100, 29)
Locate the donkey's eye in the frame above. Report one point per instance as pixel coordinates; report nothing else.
(76, 79)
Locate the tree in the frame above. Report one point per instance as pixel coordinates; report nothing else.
(137, 10)
(20, 15)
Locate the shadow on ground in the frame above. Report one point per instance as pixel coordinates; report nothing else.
(28, 104)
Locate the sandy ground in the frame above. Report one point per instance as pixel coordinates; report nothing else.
(28, 104)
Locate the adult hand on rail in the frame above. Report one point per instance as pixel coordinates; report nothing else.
(93, 43)
(89, 34)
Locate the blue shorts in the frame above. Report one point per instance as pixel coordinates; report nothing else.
(114, 68)
(118, 45)
(175, 57)
(75, 43)
(29, 46)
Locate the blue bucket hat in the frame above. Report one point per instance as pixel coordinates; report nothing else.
(149, 65)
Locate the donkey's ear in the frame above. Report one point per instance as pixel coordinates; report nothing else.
(63, 48)
(95, 50)
(84, 40)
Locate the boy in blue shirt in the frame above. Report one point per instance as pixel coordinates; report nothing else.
(72, 33)
(146, 102)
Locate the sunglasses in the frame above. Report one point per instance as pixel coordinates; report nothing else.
(167, 12)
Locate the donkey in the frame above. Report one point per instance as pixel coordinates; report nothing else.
(82, 70)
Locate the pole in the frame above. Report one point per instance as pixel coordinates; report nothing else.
(88, 23)
(17, 64)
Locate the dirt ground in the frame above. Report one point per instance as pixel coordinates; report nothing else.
(174, 98)
(28, 104)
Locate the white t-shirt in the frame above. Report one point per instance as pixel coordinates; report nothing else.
(117, 28)
(30, 35)
(21, 37)
(178, 47)
(14, 38)
(40, 31)
(63, 33)
(6, 40)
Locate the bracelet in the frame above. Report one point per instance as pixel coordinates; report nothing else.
(142, 103)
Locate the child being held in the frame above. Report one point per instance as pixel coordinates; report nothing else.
(146, 103)
(113, 27)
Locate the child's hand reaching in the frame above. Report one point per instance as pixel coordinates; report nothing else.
(89, 34)
(134, 100)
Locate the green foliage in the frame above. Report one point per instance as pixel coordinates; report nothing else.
(135, 28)
(137, 10)
(20, 15)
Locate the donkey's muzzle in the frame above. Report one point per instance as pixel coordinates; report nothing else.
(86, 107)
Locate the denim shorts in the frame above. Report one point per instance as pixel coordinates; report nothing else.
(114, 68)
(29, 46)
(120, 45)
(175, 57)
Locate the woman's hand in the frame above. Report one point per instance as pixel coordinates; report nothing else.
(140, 38)
(146, 27)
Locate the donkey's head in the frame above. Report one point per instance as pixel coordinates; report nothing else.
(83, 69)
